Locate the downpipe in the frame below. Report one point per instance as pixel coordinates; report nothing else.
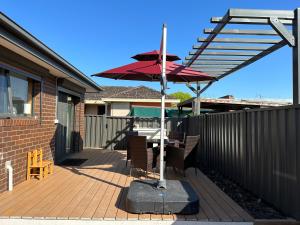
(10, 171)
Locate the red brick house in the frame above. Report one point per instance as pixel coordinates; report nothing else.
(41, 101)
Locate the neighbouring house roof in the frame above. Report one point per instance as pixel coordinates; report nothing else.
(230, 103)
(13, 36)
(121, 92)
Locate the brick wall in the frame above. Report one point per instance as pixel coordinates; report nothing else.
(79, 126)
(18, 136)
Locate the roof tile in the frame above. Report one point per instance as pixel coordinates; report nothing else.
(140, 92)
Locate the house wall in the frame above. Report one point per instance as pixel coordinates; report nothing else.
(120, 109)
(79, 126)
(18, 136)
(91, 109)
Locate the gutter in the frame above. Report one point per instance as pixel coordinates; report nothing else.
(25, 36)
(241, 102)
(129, 100)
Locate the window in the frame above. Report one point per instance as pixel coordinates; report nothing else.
(101, 110)
(16, 94)
(21, 92)
(4, 103)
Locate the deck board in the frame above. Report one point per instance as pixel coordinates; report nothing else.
(121, 213)
(19, 205)
(71, 199)
(98, 189)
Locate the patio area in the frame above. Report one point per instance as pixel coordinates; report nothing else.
(97, 191)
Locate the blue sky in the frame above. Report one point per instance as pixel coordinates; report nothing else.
(99, 35)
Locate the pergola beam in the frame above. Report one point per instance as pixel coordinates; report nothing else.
(221, 70)
(242, 32)
(226, 53)
(224, 47)
(206, 86)
(212, 72)
(211, 37)
(249, 21)
(240, 40)
(257, 57)
(216, 63)
(213, 66)
(191, 88)
(282, 31)
(203, 58)
(261, 13)
(222, 73)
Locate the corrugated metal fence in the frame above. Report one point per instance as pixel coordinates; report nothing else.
(259, 149)
(110, 132)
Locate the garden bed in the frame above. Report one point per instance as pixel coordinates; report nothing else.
(254, 205)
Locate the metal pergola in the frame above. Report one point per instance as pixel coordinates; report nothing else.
(237, 48)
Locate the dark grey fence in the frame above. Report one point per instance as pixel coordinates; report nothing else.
(110, 132)
(259, 149)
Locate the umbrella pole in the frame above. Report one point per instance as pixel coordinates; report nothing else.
(162, 181)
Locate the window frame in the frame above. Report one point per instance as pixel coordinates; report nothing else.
(7, 70)
(5, 74)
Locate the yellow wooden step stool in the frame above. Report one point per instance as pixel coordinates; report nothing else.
(36, 166)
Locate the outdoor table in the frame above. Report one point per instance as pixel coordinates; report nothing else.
(176, 143)
(157, 141)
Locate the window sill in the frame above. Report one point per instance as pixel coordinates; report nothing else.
(18, 121)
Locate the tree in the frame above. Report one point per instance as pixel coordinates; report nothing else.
(182, 96)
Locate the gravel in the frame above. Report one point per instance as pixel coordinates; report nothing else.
(255, 206)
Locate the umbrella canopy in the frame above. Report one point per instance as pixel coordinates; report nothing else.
(154, 55)
(151, 71)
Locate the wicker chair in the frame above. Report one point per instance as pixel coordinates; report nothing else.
(177, 137)
(141, 156)
(173, 135)
(183, 156)
(128, 134)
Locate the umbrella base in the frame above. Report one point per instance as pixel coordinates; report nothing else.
(161, 184)
(179, 197)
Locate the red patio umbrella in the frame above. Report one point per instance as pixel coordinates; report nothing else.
(150, 70)
(154, 55)
(157, 66)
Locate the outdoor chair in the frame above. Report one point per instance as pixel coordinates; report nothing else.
(141, 156)
(128, 134)
(183, 156)
(177, 137)
(174, 135)
(36, 166)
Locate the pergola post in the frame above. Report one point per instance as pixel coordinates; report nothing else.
(198, 102)
(296, 59)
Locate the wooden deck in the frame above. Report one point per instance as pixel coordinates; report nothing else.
(97, 190)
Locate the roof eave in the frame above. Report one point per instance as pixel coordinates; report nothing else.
(157, 100)
(46, 51)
